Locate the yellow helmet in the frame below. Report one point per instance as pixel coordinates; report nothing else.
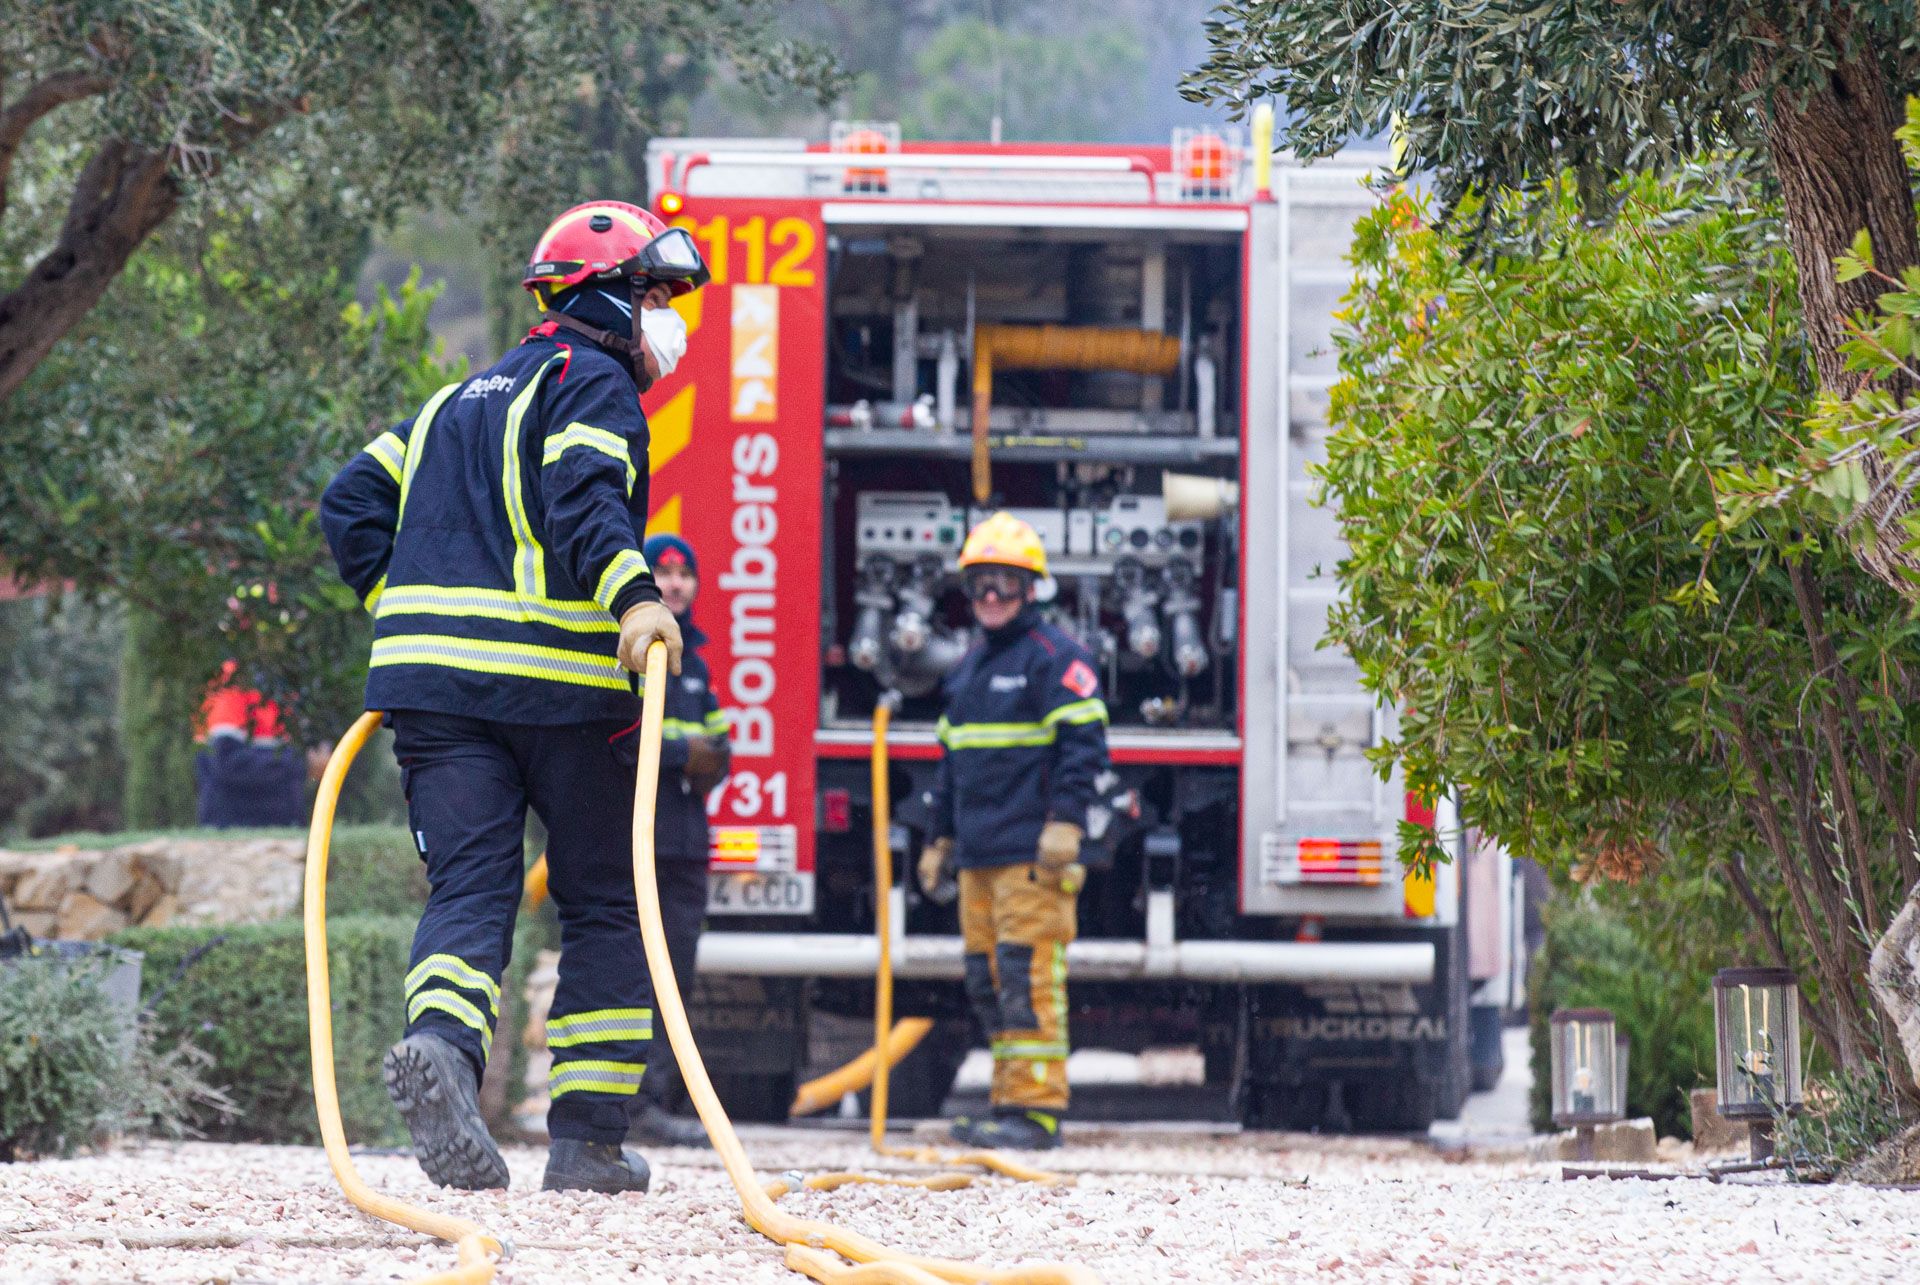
(1004, 541)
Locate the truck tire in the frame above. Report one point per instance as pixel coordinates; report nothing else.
(919, 1084)
(1396, 1104)
(1292, 1108)
(755, 1098)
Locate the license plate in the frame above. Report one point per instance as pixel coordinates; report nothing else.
(756, 893)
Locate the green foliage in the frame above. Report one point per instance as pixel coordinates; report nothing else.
(162, 681)
(1596, 959)
(62, 1057)
(244, 1002)
(1511, 95)
(1848, 1116)
(59, 759)
(374, 870)
(1539, 578)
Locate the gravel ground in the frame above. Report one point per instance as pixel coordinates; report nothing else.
(1151, 1204)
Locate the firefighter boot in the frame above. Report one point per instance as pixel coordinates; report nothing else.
(1025, 1131)
(432, 1084)
(574, 1164)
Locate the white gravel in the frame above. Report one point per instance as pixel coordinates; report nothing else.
(1150, 1205)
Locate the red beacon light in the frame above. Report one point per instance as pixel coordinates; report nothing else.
(1206, 164)
(865, 138)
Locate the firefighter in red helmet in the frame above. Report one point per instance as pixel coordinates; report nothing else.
(496, 539)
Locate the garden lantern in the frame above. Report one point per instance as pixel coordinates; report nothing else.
(1756, 1019)
(1582, 1054)
(1620, 1050)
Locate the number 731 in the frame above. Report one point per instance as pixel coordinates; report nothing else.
(791, 239)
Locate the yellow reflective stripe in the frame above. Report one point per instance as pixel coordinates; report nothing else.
(1086, 711)
(716, 724)
(1060, 983)
(459, 972)
(678, 729)
(578, 615)
(1026, 1050)
(595, 1077)
(372, 600)
(983, 736)
(593, 439)
(600, 1024)
(389, 452)
(417, 444)
(522, 660)
(529, 560)
(626, 567)
(454, 1006)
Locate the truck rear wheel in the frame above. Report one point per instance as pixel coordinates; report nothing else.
(755, 1099)
(1396, 1104)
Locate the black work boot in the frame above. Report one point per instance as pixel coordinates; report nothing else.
(432, 1084)
(1027, 1131)
(651, 1122)
(574, 1164)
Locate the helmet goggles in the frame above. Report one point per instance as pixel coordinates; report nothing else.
(1009, 584)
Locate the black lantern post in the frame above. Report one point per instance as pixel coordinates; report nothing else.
(1756, 1018)
(1582, 1054)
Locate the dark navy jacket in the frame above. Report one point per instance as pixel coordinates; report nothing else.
(1024, 737)
(680, 824)
(495, 537)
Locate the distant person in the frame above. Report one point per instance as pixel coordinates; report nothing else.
(1023, 737)
(246, 774)
(693, 760)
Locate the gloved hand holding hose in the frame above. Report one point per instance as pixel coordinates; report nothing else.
(643, 623)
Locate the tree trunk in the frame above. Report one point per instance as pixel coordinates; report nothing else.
(1840, 171)
(1895, 981)
(124, 193)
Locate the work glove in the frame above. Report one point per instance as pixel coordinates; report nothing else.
(706, 763)
(1058, 857)
(643, 623)
(936, 869)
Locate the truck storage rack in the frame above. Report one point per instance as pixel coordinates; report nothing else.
(1171, 452)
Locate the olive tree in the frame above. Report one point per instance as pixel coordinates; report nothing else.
(1525, 466)
(141, 111)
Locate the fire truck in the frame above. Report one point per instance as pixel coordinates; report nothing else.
(1129, 347)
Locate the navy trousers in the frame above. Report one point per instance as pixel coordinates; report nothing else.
(469, 783)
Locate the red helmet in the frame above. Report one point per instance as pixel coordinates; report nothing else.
(599, 239)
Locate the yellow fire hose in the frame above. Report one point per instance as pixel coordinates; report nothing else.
(478, 1251)
(823, 1091)
(805, 1239)
(812, 1245)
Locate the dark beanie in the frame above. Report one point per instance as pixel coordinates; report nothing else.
(667, 551)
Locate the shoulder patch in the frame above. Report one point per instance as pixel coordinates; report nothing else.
(1080, 679)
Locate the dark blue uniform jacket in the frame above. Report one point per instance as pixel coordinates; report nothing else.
(495, 537)
(1024, 736)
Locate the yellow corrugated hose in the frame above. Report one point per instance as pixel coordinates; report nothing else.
(807, 1240)
(478, 1251)
(883, 977)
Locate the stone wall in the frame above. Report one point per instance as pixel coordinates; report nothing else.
(85, 894)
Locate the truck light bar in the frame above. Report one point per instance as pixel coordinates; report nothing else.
(875, 165)
(1353, 862)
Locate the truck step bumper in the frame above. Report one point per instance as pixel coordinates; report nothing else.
(1097, 960)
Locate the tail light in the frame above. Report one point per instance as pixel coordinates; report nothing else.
(836, 811)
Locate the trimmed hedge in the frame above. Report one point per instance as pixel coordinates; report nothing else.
(374, 870)
(244, 1002)
(1592, 958)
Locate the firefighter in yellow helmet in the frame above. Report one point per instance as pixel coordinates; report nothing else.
(1023, 737)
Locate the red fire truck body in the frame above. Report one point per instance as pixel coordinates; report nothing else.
(870, 302)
